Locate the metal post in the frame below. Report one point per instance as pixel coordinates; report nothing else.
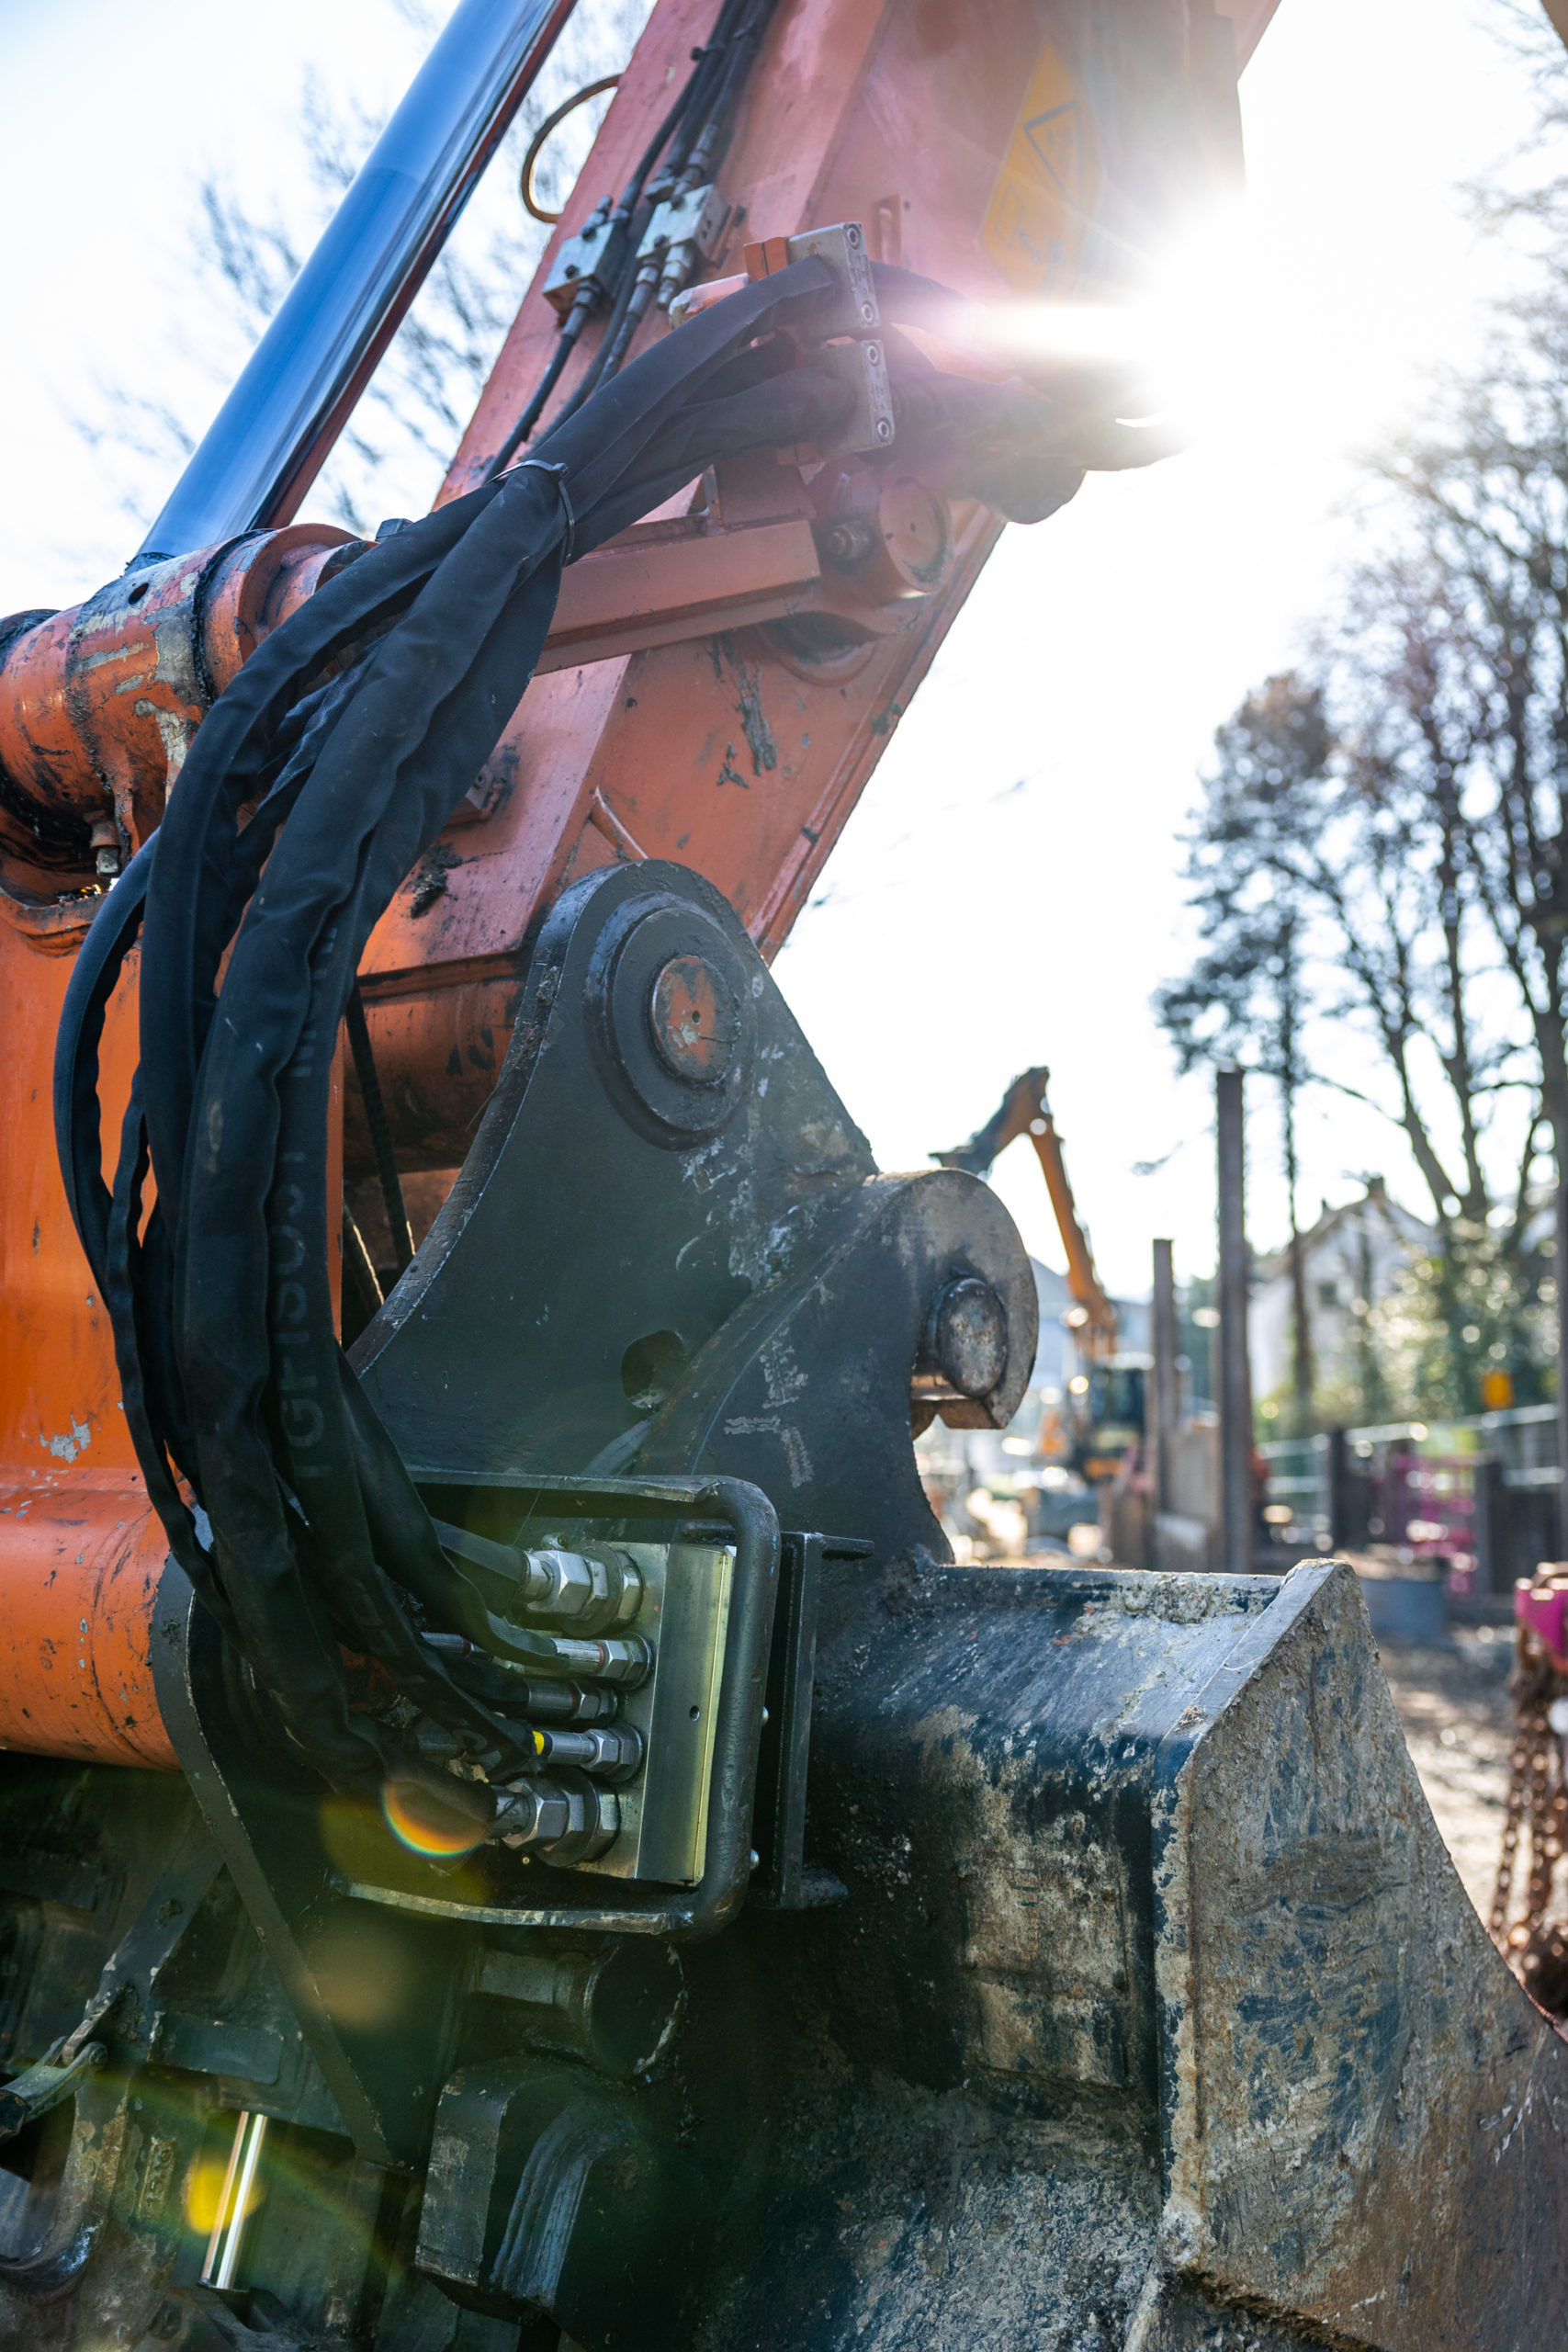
(1235, 1372)
(298, 390)
(1165, 1413)
(1490, 1526)
(1338, 1446)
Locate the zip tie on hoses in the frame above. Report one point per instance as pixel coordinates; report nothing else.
(557, 475)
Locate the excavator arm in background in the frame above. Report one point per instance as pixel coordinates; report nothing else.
(1025, 1110)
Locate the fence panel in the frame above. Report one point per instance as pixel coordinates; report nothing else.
(1416, 1490)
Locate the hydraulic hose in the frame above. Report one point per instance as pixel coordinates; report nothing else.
(696, 132)
(351, 733)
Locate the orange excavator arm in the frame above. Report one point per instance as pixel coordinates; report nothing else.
(1025, 1110)
(593, 1598)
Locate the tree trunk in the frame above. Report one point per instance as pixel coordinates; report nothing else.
(1559, 1282)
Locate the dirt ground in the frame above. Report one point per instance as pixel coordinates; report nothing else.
(1454, 1704)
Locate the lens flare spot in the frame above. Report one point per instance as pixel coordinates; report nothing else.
(1173, 345)
(424, 1825)
(365, 1970)
(204, 2193)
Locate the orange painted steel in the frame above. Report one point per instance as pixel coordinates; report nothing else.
(80, 1560)
(1099, 1337)
(80, 1554)
(717, 688)
(744, 755)
(437, 1054)
(59, 1392)
(99, 705)
(662, 582)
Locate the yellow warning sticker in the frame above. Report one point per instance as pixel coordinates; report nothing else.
(1046, 190)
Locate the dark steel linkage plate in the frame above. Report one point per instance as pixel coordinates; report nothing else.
(670, 1250)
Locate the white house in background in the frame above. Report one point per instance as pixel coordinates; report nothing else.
(1355, 1256)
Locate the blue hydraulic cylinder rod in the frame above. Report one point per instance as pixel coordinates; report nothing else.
(299, 387)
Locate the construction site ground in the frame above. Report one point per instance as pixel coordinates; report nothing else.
(1454, 1704)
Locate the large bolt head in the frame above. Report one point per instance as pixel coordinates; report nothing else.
(694, 1018)
(966, 1339)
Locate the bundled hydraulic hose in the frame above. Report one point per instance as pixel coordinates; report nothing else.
(313, 788)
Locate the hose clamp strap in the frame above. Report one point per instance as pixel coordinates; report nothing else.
(557, 474)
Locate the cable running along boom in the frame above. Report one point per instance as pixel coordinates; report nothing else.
(622, 281)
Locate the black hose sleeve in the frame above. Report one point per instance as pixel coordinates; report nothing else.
(351, 733)
(232, 762)
(78, 1128)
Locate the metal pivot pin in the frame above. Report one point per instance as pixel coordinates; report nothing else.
(235, 2202)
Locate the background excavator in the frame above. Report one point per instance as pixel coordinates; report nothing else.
(1104, 1414)
(517, 1835)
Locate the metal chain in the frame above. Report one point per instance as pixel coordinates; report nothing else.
(1519, 1770)
(1535, 1950)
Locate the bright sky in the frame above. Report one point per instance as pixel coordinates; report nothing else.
(1010, 882)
